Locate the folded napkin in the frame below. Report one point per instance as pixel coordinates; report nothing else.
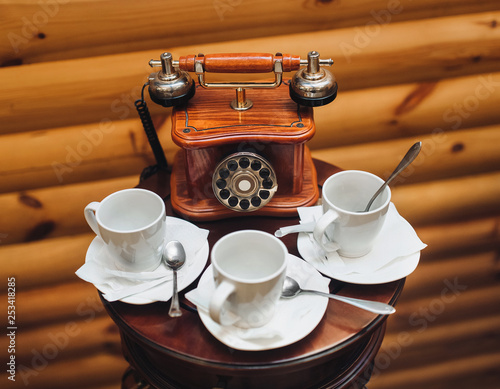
(397, 238)
(100, 268)
(291, 317)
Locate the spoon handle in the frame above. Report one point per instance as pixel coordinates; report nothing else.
(372, 306)
(410, 155)
(175, 310)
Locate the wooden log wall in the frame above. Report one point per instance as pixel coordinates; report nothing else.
(407, 70)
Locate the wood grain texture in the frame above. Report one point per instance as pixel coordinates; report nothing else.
(409, 70)
(42, 213)
(201, 204)
(409, 110)
(240, 62)
(74, 339)
(108, 85)
(444, 154)
(37, 32)
(35, 262)
(69, 155)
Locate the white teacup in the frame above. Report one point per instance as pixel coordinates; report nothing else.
(132, 224)
(344, 226)
(249, 269)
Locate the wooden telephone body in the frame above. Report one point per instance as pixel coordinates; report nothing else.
(263, 143)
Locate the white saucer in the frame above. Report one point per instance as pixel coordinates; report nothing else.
(294, 319)
(186, 274)
(394, 270)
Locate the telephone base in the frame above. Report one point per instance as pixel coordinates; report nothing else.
(205, 207)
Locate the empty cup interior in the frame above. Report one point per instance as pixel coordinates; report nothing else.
(249, 256)
(351, 191)
(130, 210)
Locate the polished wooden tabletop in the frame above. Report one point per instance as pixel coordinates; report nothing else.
(186, 337)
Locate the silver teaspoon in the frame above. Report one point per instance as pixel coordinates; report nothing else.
(407, 159)
(291, 289)
(174, 257)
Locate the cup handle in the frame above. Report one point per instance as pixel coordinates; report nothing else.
(89, 213)
(221, 294)
(319, 230)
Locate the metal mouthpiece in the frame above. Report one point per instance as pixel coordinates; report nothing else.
(170, 86)
(313, 86)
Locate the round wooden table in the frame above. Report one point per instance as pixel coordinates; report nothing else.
(166, 352)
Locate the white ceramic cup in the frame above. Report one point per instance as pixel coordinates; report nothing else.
(249, 269)
(344, 227)
(132, 224)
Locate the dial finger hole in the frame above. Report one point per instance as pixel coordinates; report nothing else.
(223, 173)
(220, 183)
(264, 173)
(256, 165)
(232, 165)
(264, 194)
(256, 201)
(233, 201)
(267, 183)
(244, 162)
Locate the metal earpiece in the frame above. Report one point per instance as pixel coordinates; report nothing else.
(170, 86)
(313, 86)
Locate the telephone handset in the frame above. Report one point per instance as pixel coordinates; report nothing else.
(246, 151)
(311, 86)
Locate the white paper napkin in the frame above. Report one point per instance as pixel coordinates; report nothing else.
(397, 238)
(100, 268)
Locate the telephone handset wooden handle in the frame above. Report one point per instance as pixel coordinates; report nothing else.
(310, 86)
(240, 62)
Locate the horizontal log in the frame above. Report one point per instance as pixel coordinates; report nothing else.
(409, 349)
(461, 237)
(82, 153)
(100, 370)
(409, 110)
(435, 275)
(43, 263)
(421, 313)
(478, 371)
(72, 339)
(444, 155)
(449, 200)
(85, 153)
(47, 95)
(52, 212)
(34, 32)
(74, 301)
(471, 328)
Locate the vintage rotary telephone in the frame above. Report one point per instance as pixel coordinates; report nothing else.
(242, 152)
